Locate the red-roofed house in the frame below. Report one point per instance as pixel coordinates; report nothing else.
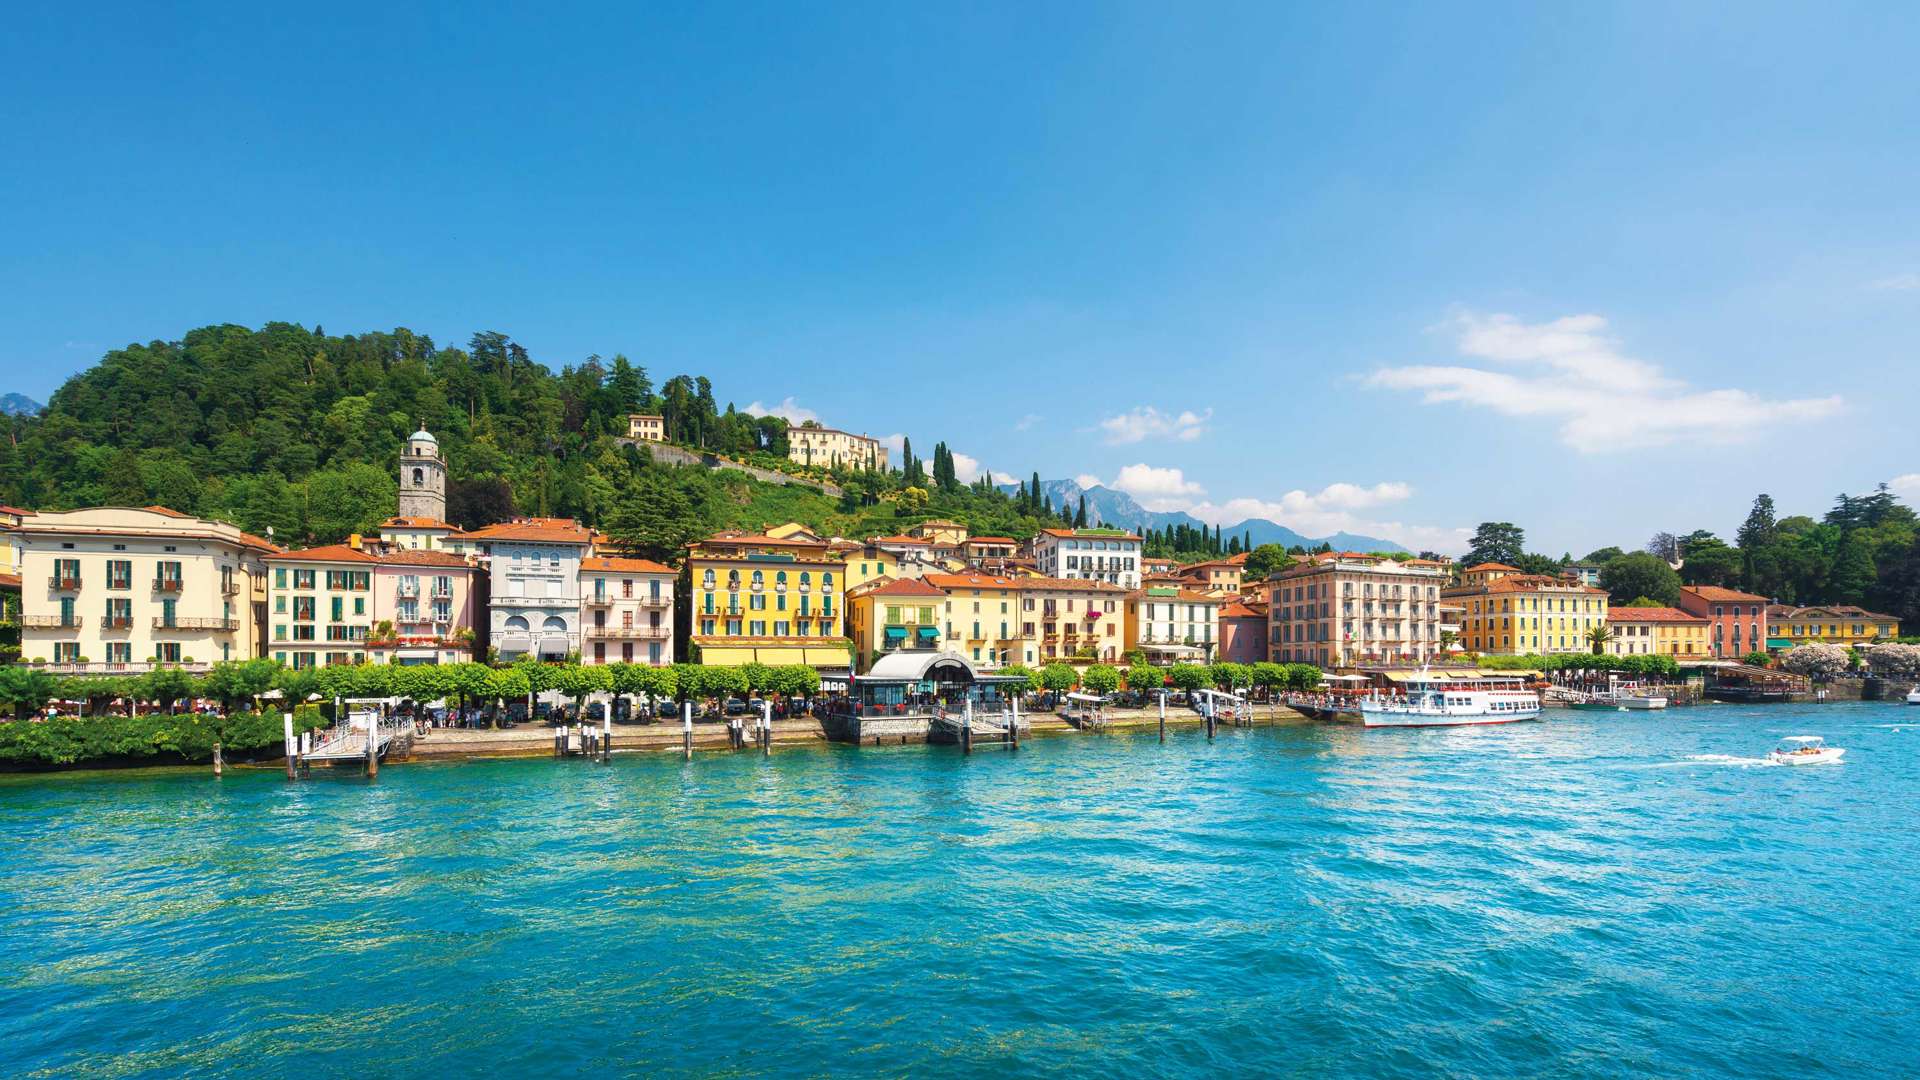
(1739, 618)
(890, 614)
(1657, 630)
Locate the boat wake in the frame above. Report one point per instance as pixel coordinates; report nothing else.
(1725, 759)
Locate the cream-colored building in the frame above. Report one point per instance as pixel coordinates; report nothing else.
(120, 589)
(831, 449)
(1344, 608)
(983, 620)
(647, 428)
(1657, 630)
(1170, 624)
(322, 609)
(1073, 620)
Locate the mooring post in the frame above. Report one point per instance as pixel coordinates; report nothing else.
(766, 729)
(686, 728)
(286, 723)
(373, 747)
(606, 736)
(1208, 711)
(1016, 719)
(966, 726)
(559, 740)
(219, 765)
(1163, 716)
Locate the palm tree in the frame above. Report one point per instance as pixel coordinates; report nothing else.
(1598, 638)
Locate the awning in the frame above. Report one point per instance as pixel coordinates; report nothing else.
(896, 633)
(1173, 650)
(929, 633)
(515, 643)
(1779, 643)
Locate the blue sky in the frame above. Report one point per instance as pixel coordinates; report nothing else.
(1600, 271)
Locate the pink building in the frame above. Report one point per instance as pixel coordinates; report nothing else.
(1739, 620)
(1243, 633)
(428, 597)
(626, 611)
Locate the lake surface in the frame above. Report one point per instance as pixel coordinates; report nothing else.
(1600, 894)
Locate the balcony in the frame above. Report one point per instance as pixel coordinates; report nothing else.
(229, 587)
(52, 622)
(628, 633)
(166, 584)
(407, 590)
(62, 583)
(116, 622)
(441, 592)
(117, 667)
(228, 626)
(651, 601)
(599, 599)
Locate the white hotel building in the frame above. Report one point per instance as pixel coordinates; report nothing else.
(1109, 555)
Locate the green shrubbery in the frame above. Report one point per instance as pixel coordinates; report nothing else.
(68, 740)
(1648, 664)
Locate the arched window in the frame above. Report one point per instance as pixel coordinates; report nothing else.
(555, 623)
(517, 622)
(733, 581)
(419, 477)
(759, 579)
(806, 581)
(779, 581)
(826, 581)
(706, 580)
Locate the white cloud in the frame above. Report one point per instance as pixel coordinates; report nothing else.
(1907, 282)
(896, 445)
(1906, 486)
(1155, 487)
(1605, 401)
(787, 407)
(1027, 421)
(1146, 422)
(967, 469)
(1088, 480)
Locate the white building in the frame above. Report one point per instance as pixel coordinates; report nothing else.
(626, 611)
(534, 574)
(831, 449)
(1109, 555)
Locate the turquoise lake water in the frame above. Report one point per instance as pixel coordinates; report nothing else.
(1600, 894)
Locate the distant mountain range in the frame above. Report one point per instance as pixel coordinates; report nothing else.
(19, 405)
(1106, 506)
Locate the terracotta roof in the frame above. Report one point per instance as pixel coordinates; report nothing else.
(1189, 595)
(989, 540)
(1841, 611)
(900, 540)
(974, 581)
(535, 530)
(1238, 610)
(1071, 584)
(325, 553)
(1715, 592)
(1091, 534)
(168, 511)
(424, 557)
(897, 587)
(10, 581)
(1523, 583)
(760, 539)
(1491, 566)
(618, 565)
(1654, 614)
(417, 523)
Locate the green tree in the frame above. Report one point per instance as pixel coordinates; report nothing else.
(1100, 679)
(1190, 677)
(655, 516)
(1496, 542)
(1641, 574)
(1058, 678)
(354, 498)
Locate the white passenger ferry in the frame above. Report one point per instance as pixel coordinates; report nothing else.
(1437, 699)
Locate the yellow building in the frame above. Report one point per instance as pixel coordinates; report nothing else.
(1662, 631)
(1835, 624)
(866, 563)
(646, 427)
(1511, 613)
(1072, 619)
(982, 618)
(322, 605)
(941, 531)
(756, 597)
(892, 614)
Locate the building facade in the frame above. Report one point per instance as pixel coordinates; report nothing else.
(1220, 577)
(1073, 619)
(626, 611)
(893, 614)
(1739, 618)
(1835, 624)
(1345, 608)
(1510, 613)
(1660, 631)
(425, 608)
(533, 574)
(645, 427)
(1170, 624)
(831, 449)
(756, 597)
(1243, 632)
(982, 618)
(117, 589)
(1109, 555)
(322, 605)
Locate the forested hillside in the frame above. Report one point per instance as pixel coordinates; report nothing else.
(298, 432)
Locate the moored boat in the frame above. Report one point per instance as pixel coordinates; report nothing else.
(1642, 701)
(1448, 701)
(1913, 696)
(1805, 750)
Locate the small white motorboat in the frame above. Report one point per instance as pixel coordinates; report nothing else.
(1642, 701)
(1805, 750)
(1913, 696)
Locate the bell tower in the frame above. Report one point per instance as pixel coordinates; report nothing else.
(423, 478)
